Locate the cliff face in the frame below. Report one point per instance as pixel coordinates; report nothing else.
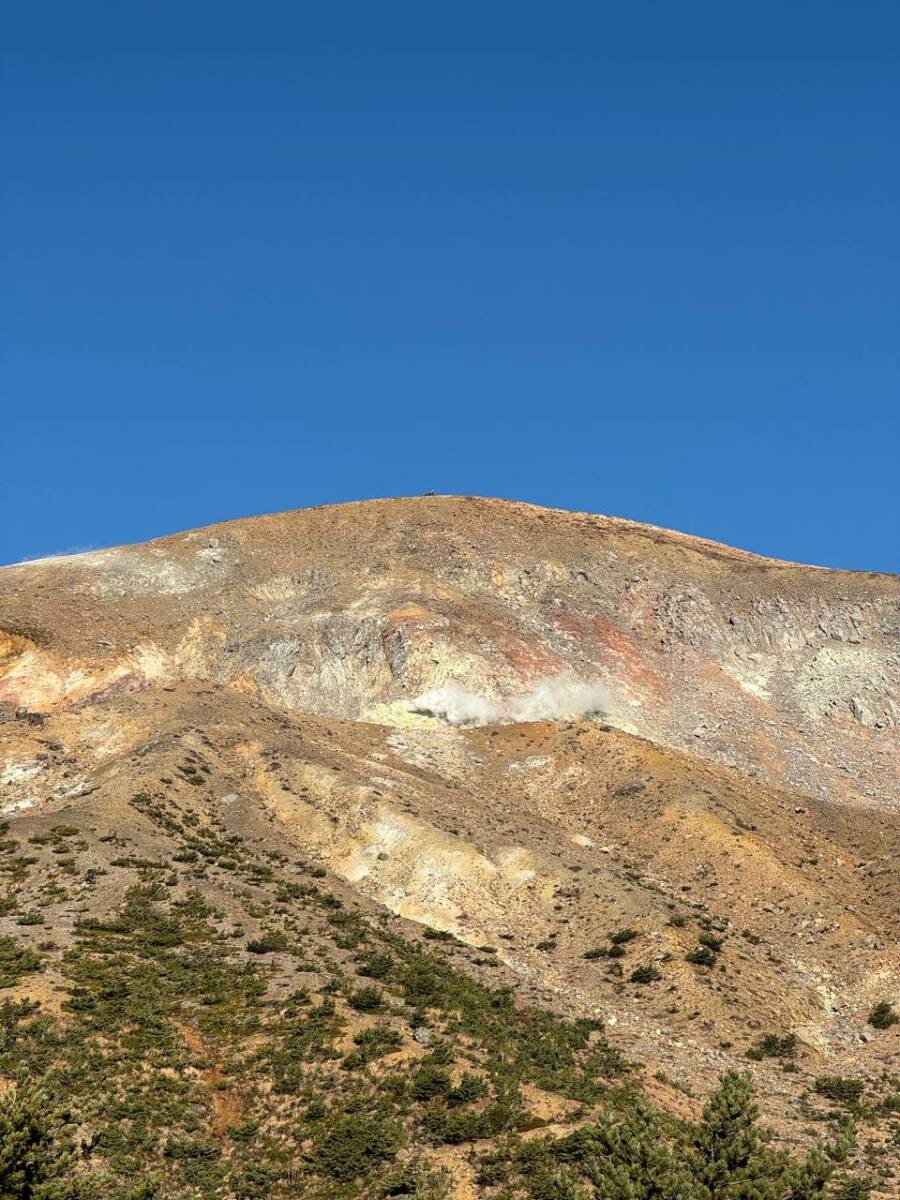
(788, 672)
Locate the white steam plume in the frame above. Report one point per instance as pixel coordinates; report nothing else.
(552, 699)
(559, 697)
(456, 706)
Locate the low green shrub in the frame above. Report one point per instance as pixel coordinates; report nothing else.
(645, 974)
(770, 1045)
(701, 957)
(268, 943)
(353, 1145)
(429, 1081)
(621, 936)
(366, 999)
(16, 960)
(840, 1089)
(881, 1016)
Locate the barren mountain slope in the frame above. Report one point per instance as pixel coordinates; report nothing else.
(707, 868)
(525, 835)
(787, 671)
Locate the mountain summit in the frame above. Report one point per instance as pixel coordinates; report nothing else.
(353, 611)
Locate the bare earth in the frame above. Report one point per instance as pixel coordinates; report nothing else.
(744, 769)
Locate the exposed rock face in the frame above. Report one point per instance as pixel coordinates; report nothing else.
(353, 611)
(368, 687)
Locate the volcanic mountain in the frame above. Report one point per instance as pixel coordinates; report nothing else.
(632, 777)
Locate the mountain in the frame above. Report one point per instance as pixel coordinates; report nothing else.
(789, 672)
(561, 813)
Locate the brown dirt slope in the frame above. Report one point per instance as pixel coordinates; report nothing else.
(792, 672)
(711, 860)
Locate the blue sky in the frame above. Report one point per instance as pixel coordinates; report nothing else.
(638, 259)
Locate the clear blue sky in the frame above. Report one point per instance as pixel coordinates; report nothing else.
(641, 259)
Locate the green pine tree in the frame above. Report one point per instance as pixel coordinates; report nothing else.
(728, 1139)
(632, 1156)
(33, 1149)
(732, 1160)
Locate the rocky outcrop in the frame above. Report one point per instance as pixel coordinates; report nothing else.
(353, 611)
